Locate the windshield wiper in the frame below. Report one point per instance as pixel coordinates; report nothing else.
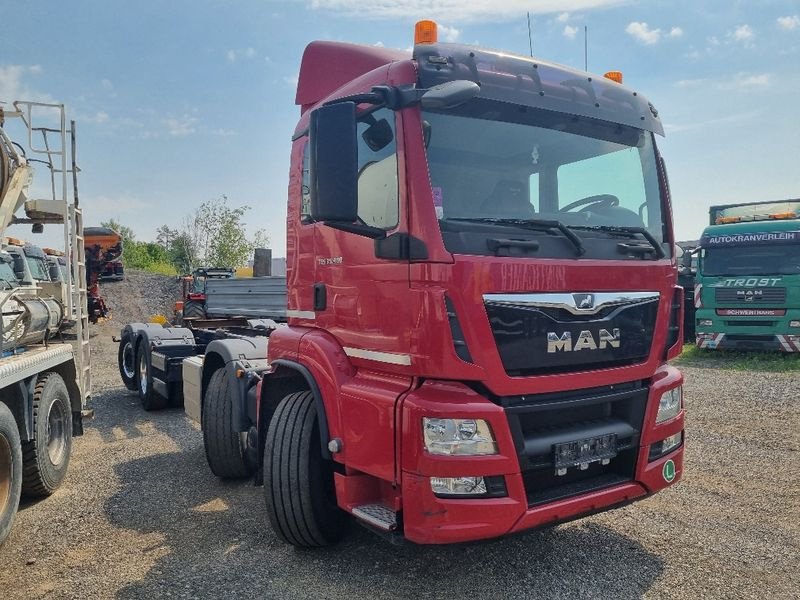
(534, 224)
(630, 231)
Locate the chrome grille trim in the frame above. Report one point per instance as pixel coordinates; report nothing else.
(567, 301)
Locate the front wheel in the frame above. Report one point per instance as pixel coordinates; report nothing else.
(46, 457)
(298, 482)
(10, 471)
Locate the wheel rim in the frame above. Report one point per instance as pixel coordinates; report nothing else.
(143, 373)
(6, 473)
(128, 367)
(56, 433)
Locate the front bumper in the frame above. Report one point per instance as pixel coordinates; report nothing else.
(429, 519)
(740, 341)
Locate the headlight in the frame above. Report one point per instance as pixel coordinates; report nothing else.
(672, 442)
(794, 323)
(458, 436)
(705, 322)
(669, 405)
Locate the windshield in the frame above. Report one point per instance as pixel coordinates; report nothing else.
(38, 268)
(783, 259)
(491, 160)
(7, 273)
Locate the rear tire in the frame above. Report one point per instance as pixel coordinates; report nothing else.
(46, 457)
(194, 310)
(144, 380)
(10, 471)
(226, 449)
(298, 482)
(126, 360)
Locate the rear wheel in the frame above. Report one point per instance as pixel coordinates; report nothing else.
(194, 310)
(126, 360)
(46, 457)
(226, 449)
(298, 482)
(144, 380)
(10, 470)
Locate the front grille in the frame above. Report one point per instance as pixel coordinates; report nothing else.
(542, 333)
(758, 295)
(538, 422)
(750, 323)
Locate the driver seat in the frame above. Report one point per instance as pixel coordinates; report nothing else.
(509, 200)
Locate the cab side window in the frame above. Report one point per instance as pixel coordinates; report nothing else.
(305, 200)
(377, 169)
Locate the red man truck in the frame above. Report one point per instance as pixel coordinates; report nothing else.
(481, 304)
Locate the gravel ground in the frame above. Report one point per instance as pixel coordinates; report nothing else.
(141, 516)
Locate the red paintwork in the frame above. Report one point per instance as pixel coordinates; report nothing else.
(375, 408)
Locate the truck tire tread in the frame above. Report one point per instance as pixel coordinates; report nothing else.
(40, 477)
(224, 452)
(10, 434)
(295, 476)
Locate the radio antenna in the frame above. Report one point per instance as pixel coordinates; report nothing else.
(530, 35)
(586, 48)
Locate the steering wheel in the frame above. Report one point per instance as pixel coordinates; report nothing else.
(599, 201)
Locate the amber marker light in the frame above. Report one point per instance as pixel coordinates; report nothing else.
(425, 32)
(615, 76)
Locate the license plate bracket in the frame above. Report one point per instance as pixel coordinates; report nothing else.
(585, 451)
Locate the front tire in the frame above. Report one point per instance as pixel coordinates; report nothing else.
(150, 399)
(10, 471)
(298, 482)
(226, 449)
(46, 457)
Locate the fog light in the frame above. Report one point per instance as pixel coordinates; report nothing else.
(704, 322)
(669, 405)
(794, 323)
(458, 486)
(458, 436)
(672, 442)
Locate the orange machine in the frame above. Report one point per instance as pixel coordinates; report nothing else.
(102, 245)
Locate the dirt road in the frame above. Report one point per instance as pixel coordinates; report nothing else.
(141, 516)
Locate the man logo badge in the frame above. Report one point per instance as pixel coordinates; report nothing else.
(584, 341)
(583, 301)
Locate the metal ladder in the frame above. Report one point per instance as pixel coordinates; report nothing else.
(72, 218)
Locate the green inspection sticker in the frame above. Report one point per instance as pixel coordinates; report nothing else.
(668, 471)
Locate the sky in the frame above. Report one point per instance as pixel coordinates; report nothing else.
(183, 101)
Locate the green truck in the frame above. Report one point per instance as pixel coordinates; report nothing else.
(747, 289)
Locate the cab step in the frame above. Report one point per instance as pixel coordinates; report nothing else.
(377, 515)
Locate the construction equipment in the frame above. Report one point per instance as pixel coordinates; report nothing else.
(193, 291)
(102, 246)
(44, 384)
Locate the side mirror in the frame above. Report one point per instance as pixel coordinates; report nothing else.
(450, 94)
(334, 163)
(686, 259)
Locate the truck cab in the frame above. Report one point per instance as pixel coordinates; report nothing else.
(30, 262)
(747, 292)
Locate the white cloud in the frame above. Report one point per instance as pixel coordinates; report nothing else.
(742, 81)
(231, 55)
(106, 84)
(456, 10)
(449, 34)
(378, 44)
(100, 117)
(743, 33)
(747, 80)
(14, 84)
(789, 23)
(675, 32)
(563, 17)
(250, 53)
(292, 80)
(643, 33)
(569, 32)
(181, 126)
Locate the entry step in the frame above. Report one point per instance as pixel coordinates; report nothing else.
(377, 515)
